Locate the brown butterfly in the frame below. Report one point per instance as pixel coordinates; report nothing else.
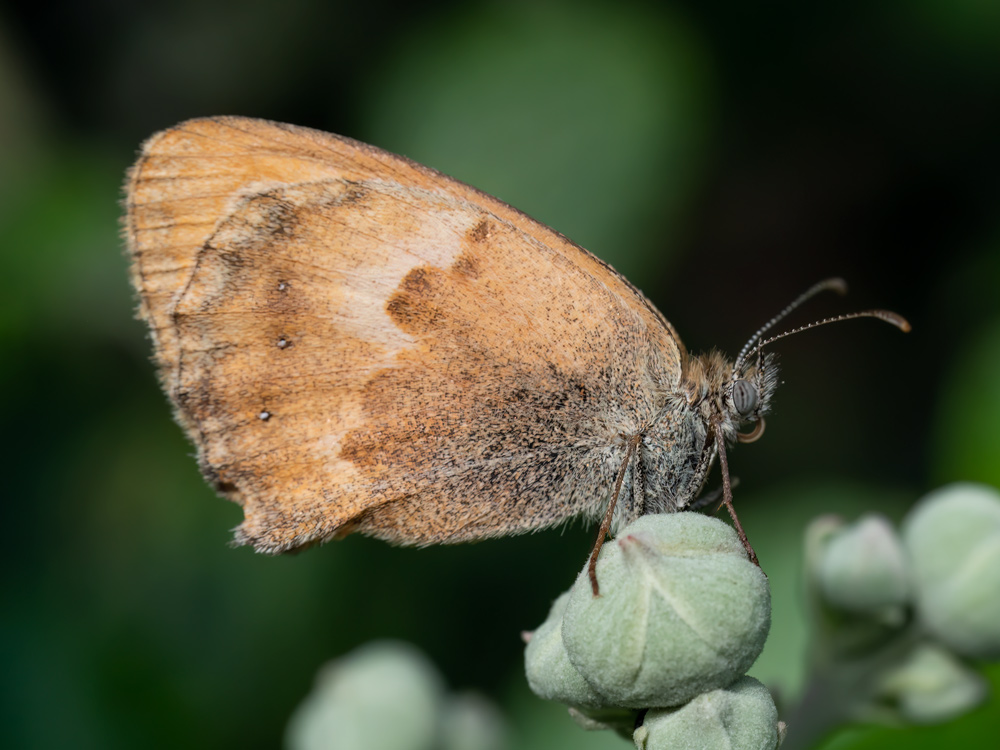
(356, 342)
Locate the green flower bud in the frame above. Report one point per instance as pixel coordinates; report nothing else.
(682, 611)
(382, 696)
(550, 673)
(863, 568)
(953, 540)
(932, 686)
(739, 717)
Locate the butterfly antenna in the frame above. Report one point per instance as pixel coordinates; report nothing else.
(888, 316)
(836, 284)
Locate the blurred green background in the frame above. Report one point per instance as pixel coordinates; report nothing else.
(724, 155)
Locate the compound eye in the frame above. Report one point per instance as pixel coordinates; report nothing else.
(745, 397)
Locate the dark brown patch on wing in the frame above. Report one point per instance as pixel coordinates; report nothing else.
(413, 306)
(480, 232)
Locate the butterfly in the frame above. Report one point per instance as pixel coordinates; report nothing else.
(357, 343)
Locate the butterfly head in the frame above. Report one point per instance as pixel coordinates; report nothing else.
(747, 396)
(731, 397)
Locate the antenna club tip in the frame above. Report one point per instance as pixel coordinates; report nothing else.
(836, 284)
(896, 319)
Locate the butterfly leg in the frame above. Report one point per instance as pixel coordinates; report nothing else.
(602, 533)
(727, 496)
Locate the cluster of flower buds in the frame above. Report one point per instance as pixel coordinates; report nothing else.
(661, 654)
(916, 604)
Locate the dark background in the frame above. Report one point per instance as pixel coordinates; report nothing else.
(723, 155)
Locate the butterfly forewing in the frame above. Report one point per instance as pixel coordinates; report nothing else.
(355, 342)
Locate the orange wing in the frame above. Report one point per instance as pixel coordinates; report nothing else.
(355, 342)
